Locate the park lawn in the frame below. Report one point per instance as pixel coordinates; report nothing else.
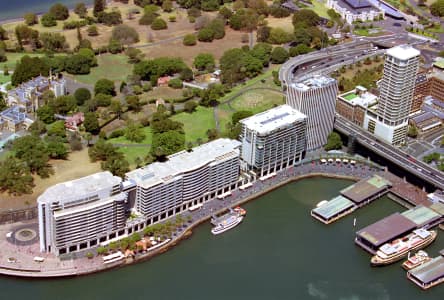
(366, 31)
(111, 66)
(131, 153)
(320, 8)
(4, 78)
(258, 101)
(284, 23)
(224, 113)
(197, 123)
(437, 28)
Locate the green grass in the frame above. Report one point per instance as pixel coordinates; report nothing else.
(132, 152)
(320, 8)
(436, 28)
(4, 79)
(258, 101)
(111, 66)
(14, 57)
(197, 123)
(366, 31)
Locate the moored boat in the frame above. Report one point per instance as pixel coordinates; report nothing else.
(416, 260)
(226, 222)
(397, 249)
(240, 210)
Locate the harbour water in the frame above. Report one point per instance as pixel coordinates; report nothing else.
(278, 252)
(16, 9)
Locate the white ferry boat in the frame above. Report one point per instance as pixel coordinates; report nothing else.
(226, 222)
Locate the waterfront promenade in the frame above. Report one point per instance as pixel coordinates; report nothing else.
(17, 258)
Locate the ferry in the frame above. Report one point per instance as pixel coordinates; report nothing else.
(396, 250)
(240, 211)
(226, 222)
(416, 260)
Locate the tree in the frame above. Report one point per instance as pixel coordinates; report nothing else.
(148, 18)
(92, 30)
(231, 65)
(91, 123)
(413, 131)
(82, 95)
(104, 86)
(45, 113)
(218, 27)
(3, 34)
(28, 68)
(299, 49)
(210, 5)
(89, 54)
(437, 8)
(57, 149)
(77, 64)
(99, 6)
(110, 18)
(279, 36)
(225, 12)
(175, 83)
(167, 6)
(59, 11)
(239, 115)
(32, 151)
(48, 20)
(115, 46)
(53, 41)
(57, 129)
(134, 133)
(186, 74)
(15, 177)
(334, 142)
(212, 134)
(134, 55)
(305, 18)
(63, 104)
(167, 143)
(279, 55)
(125, 34)
(134, 103)
(116, 164)
(159, 24)
(30, 19)
(116, 108)
(204, 61)
(205, 35)
(81, 10)
(263, 33)
(190, 106)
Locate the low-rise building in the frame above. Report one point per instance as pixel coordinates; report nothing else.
(422, 89)
(425, 122)
(353, 105)
(29, 94)
(81, 213)
(74, 121)
(273, 140)
(164, 189)
(14, 119)
(355, 10)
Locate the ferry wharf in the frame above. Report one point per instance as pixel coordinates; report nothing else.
(428, 274)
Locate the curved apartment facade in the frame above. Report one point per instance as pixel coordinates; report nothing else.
(316, 98)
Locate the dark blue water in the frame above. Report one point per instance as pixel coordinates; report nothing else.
(11, 9)
(278, 252)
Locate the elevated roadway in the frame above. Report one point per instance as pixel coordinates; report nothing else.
(400, 158)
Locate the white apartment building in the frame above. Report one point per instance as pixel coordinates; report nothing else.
(315, 97)
(390, 119)
(81, 213)
(164, 189)
(352, 11)
(273, 140)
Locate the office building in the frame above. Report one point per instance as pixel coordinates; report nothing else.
(356, 10)
(81, 213)
(164, 189)
(315, 97)
(273, 140)
(389, 121)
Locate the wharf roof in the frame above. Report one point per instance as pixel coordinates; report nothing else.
(403, 52)
(386, 229)
(82, 187)
(438, 207)
(184, 161)
(272, 119)
(429, 271)
(421, 215)
(366, 188)
(314, 82)
(333, 207)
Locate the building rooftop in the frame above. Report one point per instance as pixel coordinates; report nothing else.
(363, 98)
(403, 52)
(13, 114)
(439, 64)
(315, 82)
(421, 215)
(358, 3)
(272, 119)
(79, 188)
(386, 229)
(366, 188)
(429, 271)
(178, 163)
(333, 207)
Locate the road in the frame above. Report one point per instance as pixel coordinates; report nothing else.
(390, 152)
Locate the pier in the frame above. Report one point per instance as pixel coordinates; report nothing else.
(428, 274)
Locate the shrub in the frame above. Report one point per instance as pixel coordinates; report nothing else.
(159, 24)
(189, 40)
(48, 20)
(117, 133)
(92, 30)
(175, 83)
(205, 35)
